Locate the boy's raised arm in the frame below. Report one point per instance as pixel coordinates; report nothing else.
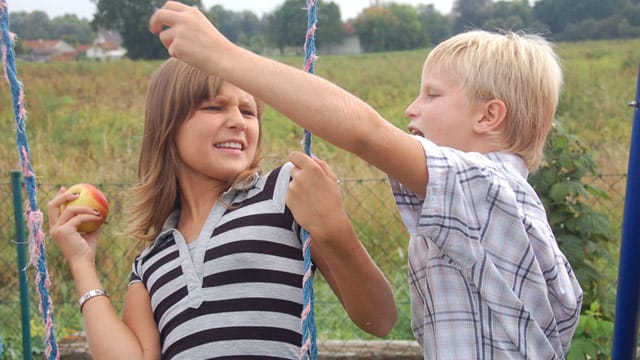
(316, 104)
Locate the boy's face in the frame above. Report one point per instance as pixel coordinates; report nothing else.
(444, 113)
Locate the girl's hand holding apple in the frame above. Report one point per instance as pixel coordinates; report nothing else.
(89, 195)
(75, 215)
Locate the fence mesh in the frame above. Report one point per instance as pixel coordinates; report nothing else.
(368, 202)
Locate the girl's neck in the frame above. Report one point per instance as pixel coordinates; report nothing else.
(196, 200)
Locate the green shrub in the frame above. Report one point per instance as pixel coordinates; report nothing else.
(583, 233)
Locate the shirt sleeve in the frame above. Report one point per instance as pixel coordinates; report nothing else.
(136, 272)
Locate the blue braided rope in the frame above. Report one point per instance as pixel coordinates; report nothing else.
(309, 347)
(33, 214)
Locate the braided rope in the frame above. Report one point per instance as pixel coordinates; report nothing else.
(33, 214)
(308, 348)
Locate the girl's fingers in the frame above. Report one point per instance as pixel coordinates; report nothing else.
(326, 168)
(299, 159)
(61, 198)
(316, 168)
(71, 213)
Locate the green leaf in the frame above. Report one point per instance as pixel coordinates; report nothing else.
(561, 142)
(581, 348)
(592, 223)
(596, 191)
(558, 217)
(559, 192)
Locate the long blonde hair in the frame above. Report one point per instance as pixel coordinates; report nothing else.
(522, 70)
(175, 92)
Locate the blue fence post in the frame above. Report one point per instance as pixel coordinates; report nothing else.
(625, 330)
(22, 265)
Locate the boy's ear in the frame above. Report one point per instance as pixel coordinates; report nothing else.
(494, 113)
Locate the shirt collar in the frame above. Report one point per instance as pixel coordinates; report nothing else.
(238, 192)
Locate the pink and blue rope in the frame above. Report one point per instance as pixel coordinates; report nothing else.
(308, 348)
(33, 214)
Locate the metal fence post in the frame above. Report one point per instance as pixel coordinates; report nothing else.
(625, 330)
(22, 264)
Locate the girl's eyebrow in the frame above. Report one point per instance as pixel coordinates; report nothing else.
(248, 102)
(220, 98)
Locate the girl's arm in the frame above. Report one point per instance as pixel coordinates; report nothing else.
(312, 102)
(363, 290)
(108, 336)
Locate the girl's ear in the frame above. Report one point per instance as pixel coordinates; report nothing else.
(494, 113)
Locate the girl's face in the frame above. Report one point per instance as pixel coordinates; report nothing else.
(221, 137)
(443, 112)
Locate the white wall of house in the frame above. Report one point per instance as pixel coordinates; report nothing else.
(98, 53)
(350, 45)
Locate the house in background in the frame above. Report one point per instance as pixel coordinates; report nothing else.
(48, 50)
(350, 45)
(106, 47)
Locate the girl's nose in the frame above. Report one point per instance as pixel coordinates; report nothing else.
(236, 120)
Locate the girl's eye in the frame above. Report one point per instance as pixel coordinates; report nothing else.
(212, 108)
(249, 113)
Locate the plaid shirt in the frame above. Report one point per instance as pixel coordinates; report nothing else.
(487, 278)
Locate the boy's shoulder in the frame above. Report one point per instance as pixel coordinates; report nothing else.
(499, 163)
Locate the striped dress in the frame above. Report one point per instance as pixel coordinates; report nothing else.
(236, 291)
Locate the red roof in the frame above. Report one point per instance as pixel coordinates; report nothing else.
(83, 48)
(39, 45)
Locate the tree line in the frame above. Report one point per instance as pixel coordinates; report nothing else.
(388, 26)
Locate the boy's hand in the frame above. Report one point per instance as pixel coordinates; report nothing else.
(314, 195)
(188, 35)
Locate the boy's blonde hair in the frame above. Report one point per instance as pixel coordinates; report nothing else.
(175, 92)
(522, 70)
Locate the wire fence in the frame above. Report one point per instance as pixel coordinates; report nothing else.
(368, 202)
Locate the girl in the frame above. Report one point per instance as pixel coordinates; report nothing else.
(222, 276)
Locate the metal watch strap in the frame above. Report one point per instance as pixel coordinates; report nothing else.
(90, 295)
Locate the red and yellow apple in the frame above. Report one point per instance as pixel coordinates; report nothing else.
(89, 195)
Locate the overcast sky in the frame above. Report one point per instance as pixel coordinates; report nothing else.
(85, 8)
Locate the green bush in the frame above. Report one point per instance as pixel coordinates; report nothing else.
(583, 233)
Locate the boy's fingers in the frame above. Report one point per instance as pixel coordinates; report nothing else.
(166, 38)
(165, 16)
(174, 5)
(161, 18)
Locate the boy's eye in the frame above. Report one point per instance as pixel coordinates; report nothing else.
(248, 112)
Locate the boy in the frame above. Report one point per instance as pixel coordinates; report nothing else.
(487, 277)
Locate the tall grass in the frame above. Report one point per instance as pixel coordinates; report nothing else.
(600, 81)
(85, 124)
(85, 119)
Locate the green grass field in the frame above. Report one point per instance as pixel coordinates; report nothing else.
(85, 123)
